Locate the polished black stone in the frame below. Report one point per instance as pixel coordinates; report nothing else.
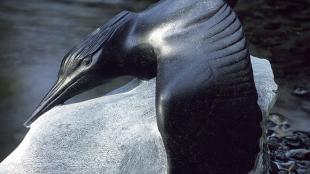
(206, 100)
(232, 3)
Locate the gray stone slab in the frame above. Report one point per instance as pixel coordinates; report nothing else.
(113, 134)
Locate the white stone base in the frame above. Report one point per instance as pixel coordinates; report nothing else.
(114, 134)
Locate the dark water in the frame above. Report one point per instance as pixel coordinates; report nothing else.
(34, 36)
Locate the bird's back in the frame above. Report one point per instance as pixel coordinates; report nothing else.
(207, 108)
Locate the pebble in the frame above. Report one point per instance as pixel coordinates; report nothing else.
(301, 92)
(299, 154)
(290, 153)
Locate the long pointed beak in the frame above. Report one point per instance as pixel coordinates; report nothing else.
(57, 95)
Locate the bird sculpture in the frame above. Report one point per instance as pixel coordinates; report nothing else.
(206, 101)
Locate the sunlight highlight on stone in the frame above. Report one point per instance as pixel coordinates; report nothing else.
(158, 35)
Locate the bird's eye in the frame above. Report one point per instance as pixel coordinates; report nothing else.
(86, 61)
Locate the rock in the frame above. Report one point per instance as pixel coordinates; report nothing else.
(301, 92)
(116, 133)
(299, 154)
(265, 84)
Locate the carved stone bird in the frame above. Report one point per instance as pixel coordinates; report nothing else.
(206, 101)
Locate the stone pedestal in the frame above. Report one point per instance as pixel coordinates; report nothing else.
(114, 134)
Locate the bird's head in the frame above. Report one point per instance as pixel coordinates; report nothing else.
(95, 60)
